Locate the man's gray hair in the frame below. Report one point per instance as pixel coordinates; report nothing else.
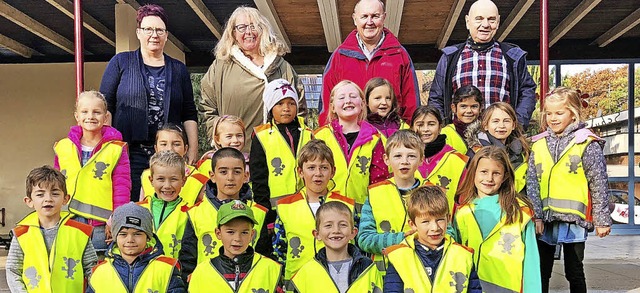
(379, 1)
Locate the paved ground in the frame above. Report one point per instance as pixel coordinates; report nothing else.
(612, 264)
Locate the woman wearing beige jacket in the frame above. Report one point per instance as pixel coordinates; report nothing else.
(248, 56)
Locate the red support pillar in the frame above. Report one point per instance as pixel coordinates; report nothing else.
(78, 40)
(544, 50)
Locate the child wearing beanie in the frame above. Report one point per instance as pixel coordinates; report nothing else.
(135, 261)
(275, 146)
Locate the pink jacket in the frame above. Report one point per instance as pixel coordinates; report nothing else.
(378, 170)
(430, 163)
(391, 62)
(121, 173)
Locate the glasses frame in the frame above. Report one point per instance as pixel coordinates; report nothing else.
(242, 28)
(148, 31)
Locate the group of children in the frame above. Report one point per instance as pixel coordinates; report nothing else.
(366, 203)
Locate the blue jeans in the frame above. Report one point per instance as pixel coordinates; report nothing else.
(139, 156)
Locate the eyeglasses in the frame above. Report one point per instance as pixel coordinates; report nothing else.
(149, 31)
(242, 28)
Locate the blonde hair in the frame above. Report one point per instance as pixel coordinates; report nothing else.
(571, 100)
(269, 42)
(427, 200)
(167, 159)
(336, 206)
(405, 138)
(92, 94)
(332, 113)
(517, 133)
(227, 119)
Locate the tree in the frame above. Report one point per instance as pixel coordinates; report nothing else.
(607, 90)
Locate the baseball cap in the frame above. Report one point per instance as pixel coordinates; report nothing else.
(234, 209)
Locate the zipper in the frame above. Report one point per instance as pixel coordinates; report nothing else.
(131, 285)
(164, 206)
(237, 278)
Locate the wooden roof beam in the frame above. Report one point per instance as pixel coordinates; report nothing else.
(619, 29)
(513, 18)
(17, 47)
(330, 23)
(35, 27)
(450, 23)
(572, 19)
(171, 37)
(92, 24)
(267, 9)
(206, 16)
(394, 15)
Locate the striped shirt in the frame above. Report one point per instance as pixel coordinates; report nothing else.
(487, 70)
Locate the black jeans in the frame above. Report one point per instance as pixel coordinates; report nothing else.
(573, 268)
(139, 156)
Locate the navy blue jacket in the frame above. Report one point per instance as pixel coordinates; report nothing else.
(522, 87)
(134, 270)
(393, 283)
(126, 88)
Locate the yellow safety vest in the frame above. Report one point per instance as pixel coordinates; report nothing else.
(389, 211)
(282, 161)
(502, 251)
(313, 277)
(155, 277)
(520, 173)
(204, 219)
(452, 274)
(298, 219)
(351, 178)
(189, 192)
(62, 270)
(90, 186)
(263, 276)
(447, 174)
(454, 139)
(563, 185)
(171, 229)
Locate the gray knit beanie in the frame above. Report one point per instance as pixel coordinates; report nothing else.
(134, 216)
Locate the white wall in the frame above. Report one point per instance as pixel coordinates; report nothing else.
(36, 109)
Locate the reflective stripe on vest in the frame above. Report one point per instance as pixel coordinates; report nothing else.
(314, 278)
(298, 219)
(90, 186)
(189, 192)
(389, 211)
(62, 271)
(447, 174)
(155, 277)
(204, 217)
(452, 274)
(281, 160)
(520, 174)
(502, 251)
(563, 185)
(454, 139)
(171, 228)
(263, 276)
(351, 178)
